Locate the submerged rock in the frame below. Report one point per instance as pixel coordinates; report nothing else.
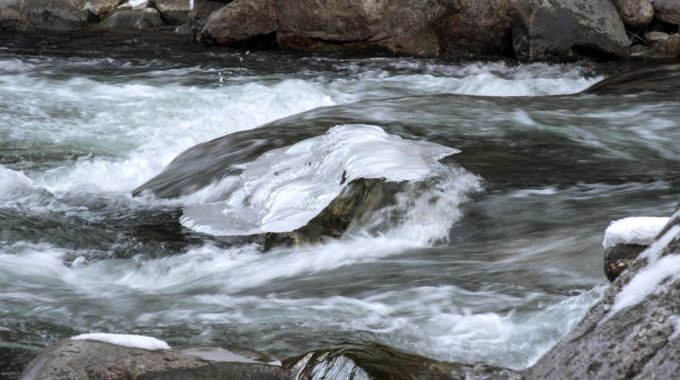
(651, 78)
(568, 29)
(632, 332)
(84, 359)
(375, 361)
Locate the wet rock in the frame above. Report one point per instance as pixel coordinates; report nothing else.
(353, 207)
(668, 48)
(619, 258)
(11, 19)
(132, 19)
(82, 359)
(667, 11)
(375, 361)
(568, 29)
(630, 333)
(241, 21)
(173, 12)
(650, 78)
(52, 15)
(96, 10)
(636, 14)
(479, 27)
(184, 29)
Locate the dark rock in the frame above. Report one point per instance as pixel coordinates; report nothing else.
(654, 37)
(11, 19)
(668, 48)
(173, 12)
(184, 29)
(632, 343)
(375, 361)
(132, 19)
(636, 14)
(619, 258)
(568, 29)
(81, 359)
(479, 27)
(95, 10)
(202, 10)
(650, 78)
(240, 21)
(53, 15)
(353, 207)
(667, 11)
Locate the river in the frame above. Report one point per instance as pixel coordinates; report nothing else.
(494, 261)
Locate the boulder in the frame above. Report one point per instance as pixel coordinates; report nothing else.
(667, 11)
(568, 29)
(173, 12)
(201, 12)
(132, 19)
(376, 361)
(478, 27)
(655, 37)
(393, 26)
(96, 10)
(11, 19)
(668, 48)
(83, 359)
(53, 15)
(636, 14)
(632, 332)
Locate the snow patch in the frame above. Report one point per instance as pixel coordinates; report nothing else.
(639, 230)
(133, 341)
(675, 319)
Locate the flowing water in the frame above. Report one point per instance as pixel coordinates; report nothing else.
(495, 254)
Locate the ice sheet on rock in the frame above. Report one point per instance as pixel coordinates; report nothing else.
(134, 341)
(639, 230)
(285, 188)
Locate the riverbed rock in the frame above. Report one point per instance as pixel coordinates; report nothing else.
(477, 28)
(667, 48)
(173, 12)
(630, 333)
(96, 10)
(376, 361)
(636, 14)
(649, 78)
(619, 258)
(667, 11)
(132, 19)
(11, 19)
(83, 359)
(201, 12)
(50, 15)
(568, 29)
(655, 37)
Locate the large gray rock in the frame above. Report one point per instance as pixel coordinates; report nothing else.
(84, 360)
(53, 15)
(375, 361)
(667, 11)
(201, 12)
(174, 12)
(631, 333)
(568, 29)
(96, 10)
(478, 27)
(636, 14)
(132, 19)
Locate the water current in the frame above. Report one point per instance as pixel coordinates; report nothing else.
(492, 260)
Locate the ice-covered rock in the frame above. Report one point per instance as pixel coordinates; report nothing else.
(126, 340)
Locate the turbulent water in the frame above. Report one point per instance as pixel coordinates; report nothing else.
(496, 253)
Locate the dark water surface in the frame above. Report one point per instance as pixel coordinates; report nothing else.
(493, 262)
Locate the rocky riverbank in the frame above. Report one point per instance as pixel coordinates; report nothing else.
(530, 30)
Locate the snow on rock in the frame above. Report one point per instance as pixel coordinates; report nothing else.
(640, 230)
(660, 270)
(134, 341)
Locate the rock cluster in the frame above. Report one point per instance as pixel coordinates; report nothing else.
(532, 30)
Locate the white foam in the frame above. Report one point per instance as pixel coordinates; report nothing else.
(133, 341)
(640, 230)
(284, 188)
